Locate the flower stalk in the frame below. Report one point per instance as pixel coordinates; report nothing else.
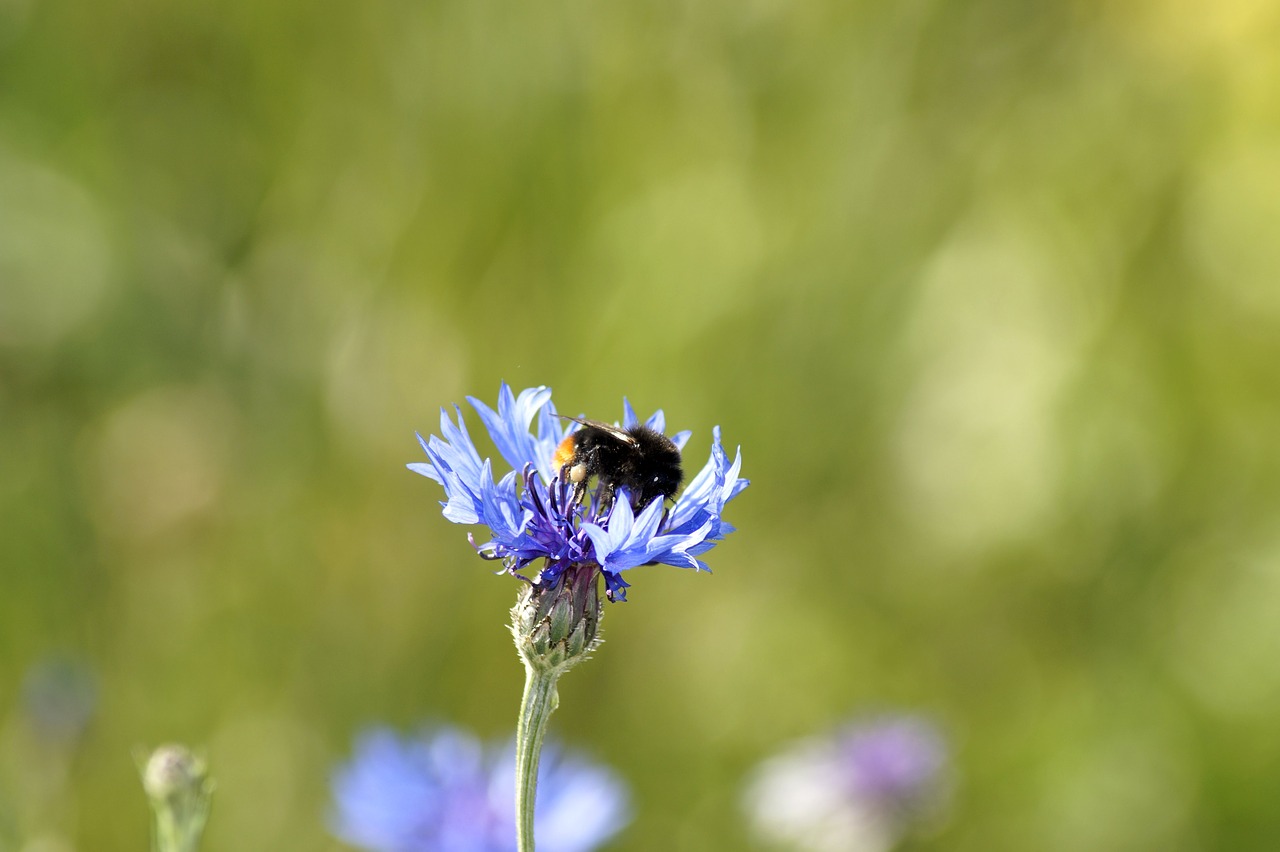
(539, 701)
(555, 627)
(178, 785)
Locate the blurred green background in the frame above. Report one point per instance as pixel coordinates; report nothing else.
(986, 291)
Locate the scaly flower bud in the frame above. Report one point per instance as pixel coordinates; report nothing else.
(557, 624)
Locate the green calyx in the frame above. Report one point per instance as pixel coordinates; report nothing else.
(557, 626)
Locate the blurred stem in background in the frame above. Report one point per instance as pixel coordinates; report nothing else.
(178, 785)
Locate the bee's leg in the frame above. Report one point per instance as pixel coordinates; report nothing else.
(605, 496)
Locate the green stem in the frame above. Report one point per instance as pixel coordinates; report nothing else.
(536, 706)
(171, 836)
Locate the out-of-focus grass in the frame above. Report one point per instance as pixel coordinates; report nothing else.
(987, 292)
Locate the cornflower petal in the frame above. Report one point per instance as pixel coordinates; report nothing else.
(551, 431)
(456, 465)
(509, 425)
(680, 439)
(614, 538)
(630, 418)
(713, 486)
(504, 515)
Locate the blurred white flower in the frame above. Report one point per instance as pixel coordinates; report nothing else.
(860, 789)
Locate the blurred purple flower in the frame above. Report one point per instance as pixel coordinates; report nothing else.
(860, 789)
(59, 697)
(531, 514)
(445, 791)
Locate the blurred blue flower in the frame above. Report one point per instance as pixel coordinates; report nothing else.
(59, 696)
(531, 513)
(445, 791)
(860, 789)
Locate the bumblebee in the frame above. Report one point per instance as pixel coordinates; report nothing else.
(640, 459)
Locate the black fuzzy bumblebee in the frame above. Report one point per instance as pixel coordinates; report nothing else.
(640, 459)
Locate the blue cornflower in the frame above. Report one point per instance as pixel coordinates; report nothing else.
(860, 789)
(532, 513)
(445, 791)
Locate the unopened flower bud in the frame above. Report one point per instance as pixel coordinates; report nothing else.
(557, 625)
(177, 783)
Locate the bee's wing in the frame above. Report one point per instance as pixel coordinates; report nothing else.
(620, 434)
